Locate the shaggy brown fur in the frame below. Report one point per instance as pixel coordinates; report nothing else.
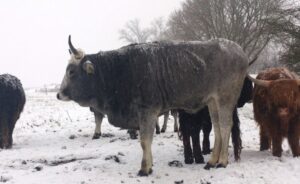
(277, 110)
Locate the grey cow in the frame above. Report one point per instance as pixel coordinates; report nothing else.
(136, 83)
(174, 113)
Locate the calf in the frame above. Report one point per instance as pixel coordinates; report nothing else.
(192, 124)
(12, 101)
(276, 106)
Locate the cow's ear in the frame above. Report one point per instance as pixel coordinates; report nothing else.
(89, 67)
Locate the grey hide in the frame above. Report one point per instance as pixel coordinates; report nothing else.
(136, 83)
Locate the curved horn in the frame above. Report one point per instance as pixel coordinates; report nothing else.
(72, 48)
(259, 82)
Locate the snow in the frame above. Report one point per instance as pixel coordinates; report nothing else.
(53, 144)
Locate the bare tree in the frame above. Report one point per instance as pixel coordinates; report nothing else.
(134, 33)
(158, 30)
(269, 57)
(242, 21)
(285, 25)
(291, 57)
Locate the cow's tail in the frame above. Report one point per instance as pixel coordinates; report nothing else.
(236, 136)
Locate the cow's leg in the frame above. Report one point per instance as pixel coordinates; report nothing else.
(207, 126)
(294, 144)
(175, 116)
(98, 121)
(175, 123)
(196, 146)
(188, 154)
(166, 117)
(11, 125)
(185, 129)
(147, 125)
(276, 144)
(225, 124)
(264, 139)
(157, 128)
(5, 141)
(293, 138)
(213, 111)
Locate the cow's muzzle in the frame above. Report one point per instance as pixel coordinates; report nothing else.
(62, 97)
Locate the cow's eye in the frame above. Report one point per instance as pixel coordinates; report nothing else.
(71, 73)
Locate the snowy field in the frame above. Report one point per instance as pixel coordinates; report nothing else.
(53, 144)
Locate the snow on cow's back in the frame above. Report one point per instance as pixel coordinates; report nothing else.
(152, 46)
(11, 82)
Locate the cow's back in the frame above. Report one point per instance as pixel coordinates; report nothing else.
(12, 96)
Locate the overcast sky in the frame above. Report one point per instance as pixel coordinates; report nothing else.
(33, 33)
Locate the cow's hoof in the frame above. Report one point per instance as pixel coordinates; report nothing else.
(157, 132)
(96, 136)
(133, 136)
(206, 152)
(188, 160)
(143, 173)
(208, 166)
(221, 166)
(199, 160)
(5, 146)
(277, 154)
(263, 148)
(163, 130)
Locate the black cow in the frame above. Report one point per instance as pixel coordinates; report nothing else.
(136, 83)
(12, 101)
(192, 124)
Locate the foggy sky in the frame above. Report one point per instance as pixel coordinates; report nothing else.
(33, 33)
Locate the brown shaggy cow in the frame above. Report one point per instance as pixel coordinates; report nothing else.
(276, 105)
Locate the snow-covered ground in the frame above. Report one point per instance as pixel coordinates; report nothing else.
(53, 144)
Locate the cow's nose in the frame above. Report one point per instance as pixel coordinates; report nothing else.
(57, 96)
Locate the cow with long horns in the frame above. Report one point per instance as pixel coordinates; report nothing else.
(276, 105)
(136, 83)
